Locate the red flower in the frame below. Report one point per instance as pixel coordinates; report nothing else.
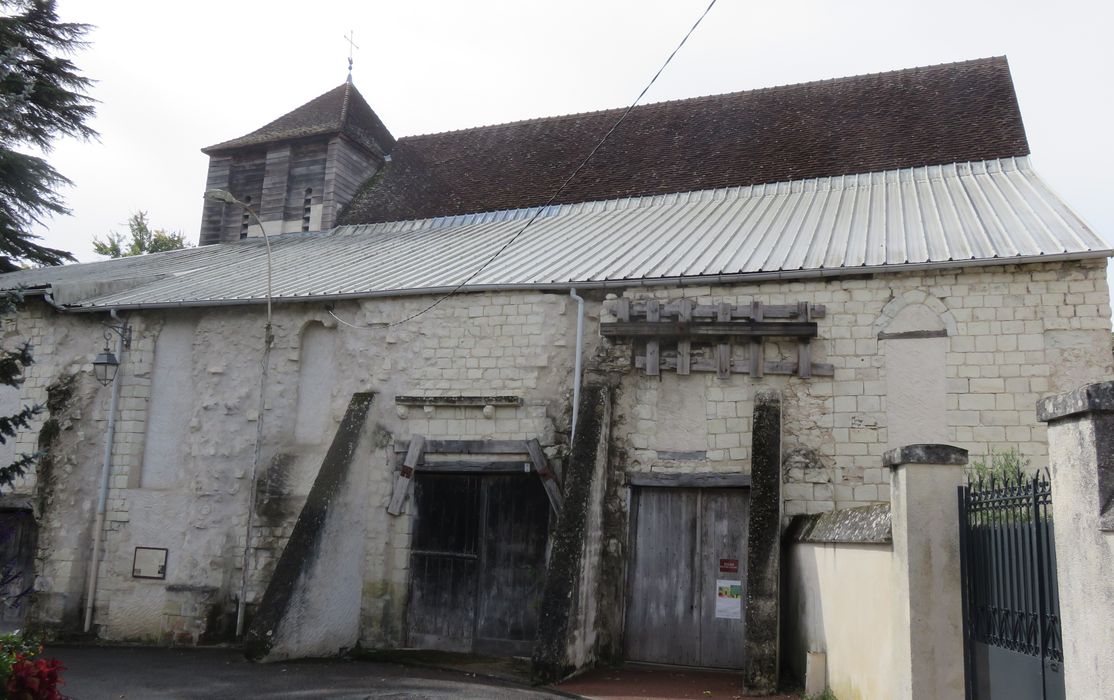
(34, 680)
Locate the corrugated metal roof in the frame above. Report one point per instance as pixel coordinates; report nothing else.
(970, 213)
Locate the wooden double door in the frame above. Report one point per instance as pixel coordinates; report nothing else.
(687, 579)
(477, 562)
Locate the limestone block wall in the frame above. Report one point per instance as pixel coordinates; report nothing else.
(1011, 334)
(181, 480)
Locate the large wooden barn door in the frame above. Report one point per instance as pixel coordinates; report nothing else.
(477, 562)
(685, 595)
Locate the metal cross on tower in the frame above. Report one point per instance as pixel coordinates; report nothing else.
(351, 47)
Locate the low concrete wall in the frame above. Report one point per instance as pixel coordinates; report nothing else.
(877, 588)
(838, 600)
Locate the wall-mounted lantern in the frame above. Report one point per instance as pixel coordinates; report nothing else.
(106, 363)
(105, 366)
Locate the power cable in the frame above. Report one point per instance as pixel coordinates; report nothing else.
(517, 234)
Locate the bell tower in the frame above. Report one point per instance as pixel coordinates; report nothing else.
(297, 172)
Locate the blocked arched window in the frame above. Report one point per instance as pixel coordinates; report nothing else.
(316, 378)
(914, 342)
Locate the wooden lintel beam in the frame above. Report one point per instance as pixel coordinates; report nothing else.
(465, 466)
(458, 400)
(746, 329)
(469, 447)
(689, 480)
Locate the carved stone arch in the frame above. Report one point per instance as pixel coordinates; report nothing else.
(904, 313)
(913, 331)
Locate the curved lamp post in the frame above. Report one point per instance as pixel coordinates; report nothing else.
(227, 198)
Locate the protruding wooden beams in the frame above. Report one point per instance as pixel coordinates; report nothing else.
(684, 346)
(723, 350)
(668, 361)
(675, 329)
(622, 310)
(549, 479)
(707, 312)
(417, 449)
(756, 354)
(406, 474)
(683, 321)
(804, 346)
(653, 315)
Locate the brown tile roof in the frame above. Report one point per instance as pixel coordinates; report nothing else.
(342, 110)
(921, 116)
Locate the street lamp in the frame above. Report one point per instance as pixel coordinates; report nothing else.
(106, 363)
(226, 197)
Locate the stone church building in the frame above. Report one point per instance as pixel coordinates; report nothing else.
(574, 430)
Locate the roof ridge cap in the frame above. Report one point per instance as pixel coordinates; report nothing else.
(344, 104)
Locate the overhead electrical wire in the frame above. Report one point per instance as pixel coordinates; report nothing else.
(540, 210)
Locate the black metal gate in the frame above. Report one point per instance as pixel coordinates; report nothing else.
(1011, 606)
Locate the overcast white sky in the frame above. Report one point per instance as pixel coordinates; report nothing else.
(175, 77)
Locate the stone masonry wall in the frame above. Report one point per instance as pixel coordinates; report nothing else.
(472, 344)
(1015, 333)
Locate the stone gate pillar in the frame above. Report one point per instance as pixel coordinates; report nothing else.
(1081, 467)
(928, 600)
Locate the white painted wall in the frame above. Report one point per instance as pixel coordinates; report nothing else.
(839, 601)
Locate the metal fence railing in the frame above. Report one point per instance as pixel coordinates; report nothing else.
(1008, 566)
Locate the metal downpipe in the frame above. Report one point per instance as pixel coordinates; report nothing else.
(102, 501)
(265, 362)
(577, 364)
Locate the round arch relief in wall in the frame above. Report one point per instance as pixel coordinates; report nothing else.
(914, 314)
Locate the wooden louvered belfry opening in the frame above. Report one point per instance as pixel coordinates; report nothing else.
(684, 336)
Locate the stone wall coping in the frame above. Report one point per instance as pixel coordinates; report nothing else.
(925, 454)
(860, 525)
(1086, 399)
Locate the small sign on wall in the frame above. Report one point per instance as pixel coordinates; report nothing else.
(149, 562)
(729, 599)
(729, 566)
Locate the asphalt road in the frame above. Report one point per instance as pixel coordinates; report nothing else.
(115, 673)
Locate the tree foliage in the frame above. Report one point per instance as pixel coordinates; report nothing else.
(13, 363)
(140, 240)
(41, 98)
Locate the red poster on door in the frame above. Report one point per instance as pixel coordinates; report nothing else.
(729, 566)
